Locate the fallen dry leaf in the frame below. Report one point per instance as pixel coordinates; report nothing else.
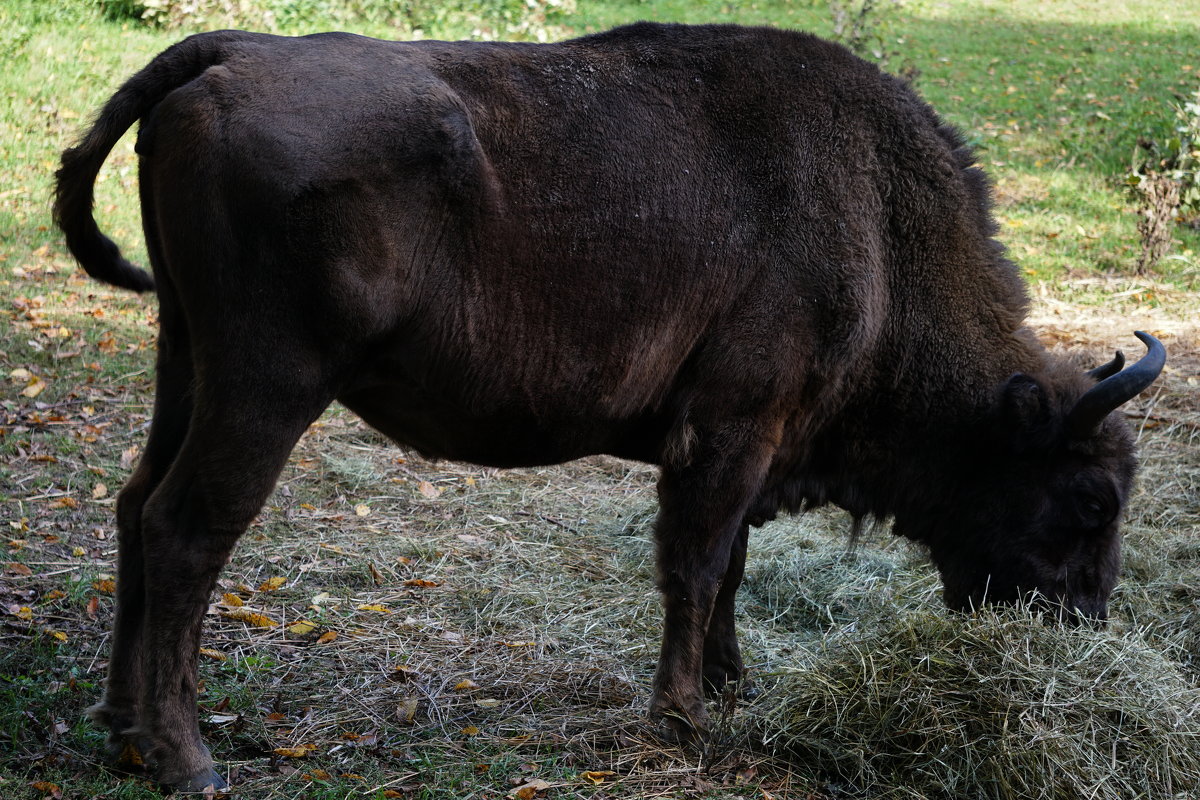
(327, 637)
(529, 789)
(374, 607)
(231, 600)
(596, 776)
(301, 628)
(271, 584)
(362, 510)
(420, 582)
(465, 685)
(215, 655)
(129, 456)
(35, 387)
(47, 788)
(428, 490)
(252, 618)
(18, 569)
(299, 751)
(406, 711)
(99, 491)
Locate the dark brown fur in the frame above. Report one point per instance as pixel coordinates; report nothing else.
(742, 254)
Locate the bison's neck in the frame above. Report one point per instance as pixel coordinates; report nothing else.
(904, 434)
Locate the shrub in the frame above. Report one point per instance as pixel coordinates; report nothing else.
(1165, 179)
(530, 19)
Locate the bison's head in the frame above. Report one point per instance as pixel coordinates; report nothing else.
(1037, 507)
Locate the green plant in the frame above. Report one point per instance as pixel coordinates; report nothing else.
(1165, 179)
(866, 26)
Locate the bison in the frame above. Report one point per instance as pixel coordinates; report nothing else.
(741, 254)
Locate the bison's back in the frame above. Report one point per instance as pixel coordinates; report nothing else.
(619, 230)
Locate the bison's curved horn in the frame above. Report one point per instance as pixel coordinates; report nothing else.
(1108, 370)
(1116, 389)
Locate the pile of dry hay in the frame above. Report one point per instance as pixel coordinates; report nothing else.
(997, 705)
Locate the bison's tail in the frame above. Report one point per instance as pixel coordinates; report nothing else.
(99, 255)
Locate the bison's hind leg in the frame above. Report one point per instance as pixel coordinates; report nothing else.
(119, 711)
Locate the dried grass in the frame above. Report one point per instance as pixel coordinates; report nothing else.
(1001, 705)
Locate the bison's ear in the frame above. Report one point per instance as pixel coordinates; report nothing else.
(1024, 409)
(1023, 399)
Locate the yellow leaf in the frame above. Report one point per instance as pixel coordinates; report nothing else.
(318, 775)
(54, 594)
(465, 685)
(301, 628)
(130, 756)
(407, 710)
(295, 752)
(421, 583)
(35, 387)
(106, 585)
(391, 793)
(308, 506)
(362, 510)
(215, 655)
(64, 502)
(471, 730)
(530, 789)
(59, 635)
(25, 613)
(374, 607)
(271, 584)
(249, 617)
(596, 776)
(327, 637)
(78, 552)
(403, 672)
(129, 456)
(232, 600)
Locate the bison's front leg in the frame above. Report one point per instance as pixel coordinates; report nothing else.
(699, 524)
(722, 656)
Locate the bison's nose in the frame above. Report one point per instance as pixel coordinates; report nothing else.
(1087, 613)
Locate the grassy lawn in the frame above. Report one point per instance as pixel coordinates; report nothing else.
(445, 631)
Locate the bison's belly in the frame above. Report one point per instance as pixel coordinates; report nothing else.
(501, 435)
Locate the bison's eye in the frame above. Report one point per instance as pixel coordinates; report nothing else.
(1094, 511)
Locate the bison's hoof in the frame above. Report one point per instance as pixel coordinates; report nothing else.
(679, 729)
(199, 782)
(716, 678)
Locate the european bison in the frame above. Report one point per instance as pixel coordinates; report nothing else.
(741, 254)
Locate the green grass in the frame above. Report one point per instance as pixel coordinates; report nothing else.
(1053, 98)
